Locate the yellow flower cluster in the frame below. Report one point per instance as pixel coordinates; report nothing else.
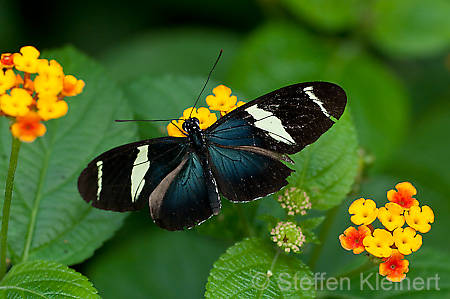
(221, 101)
(32, 90)
(393, 241)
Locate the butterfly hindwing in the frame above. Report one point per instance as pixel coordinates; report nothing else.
(182, 199)
(122, 178)
(246, 173)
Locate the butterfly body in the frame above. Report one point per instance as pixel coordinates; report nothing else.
(242, 157)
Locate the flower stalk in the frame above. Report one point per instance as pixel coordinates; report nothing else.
(15, 147)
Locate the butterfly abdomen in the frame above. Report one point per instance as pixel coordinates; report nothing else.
(198, 146)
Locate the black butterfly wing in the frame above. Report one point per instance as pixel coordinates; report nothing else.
(246, 173)
(285, 120)
(182, 198)
(123, 178)
(247, 145)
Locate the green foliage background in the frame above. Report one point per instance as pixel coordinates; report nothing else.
(391, 57)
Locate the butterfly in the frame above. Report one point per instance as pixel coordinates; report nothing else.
(243, 156)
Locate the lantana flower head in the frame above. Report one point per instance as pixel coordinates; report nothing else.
(404, 195)
(294, 201)
(32, 90)
(364, 211)
(393, 241)
(288, 236)
(352, 239)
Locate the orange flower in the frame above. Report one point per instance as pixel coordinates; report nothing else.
(72, 86)
(394, 267)
(404, 196)
(352, 239)
(7, 60)
(28, 127)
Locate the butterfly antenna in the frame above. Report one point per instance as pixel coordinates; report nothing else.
(128, 120)
(206, 83)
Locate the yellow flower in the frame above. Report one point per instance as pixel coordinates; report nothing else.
(404, 196)
(204, 115)
(28, 127)
(391, 216)
(365, 211)
(16, 104)
(28, 61)
(72, 86)
(379, 243)
(238, 104)
(44, 85)
(222, 100)
(175, 128)
(406, 240)
(49, 107)
(7, 80)
(420, 219)
(50, 69)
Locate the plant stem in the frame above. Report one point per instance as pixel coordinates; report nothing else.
(15, 147)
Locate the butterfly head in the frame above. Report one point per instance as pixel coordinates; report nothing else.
(191, 124)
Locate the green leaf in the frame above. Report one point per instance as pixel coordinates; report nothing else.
(330, 15)
(179, 51)
(254, 269)
(44, 279)
(326, 169)
(149, 262)
(49, 219)
(414, 28)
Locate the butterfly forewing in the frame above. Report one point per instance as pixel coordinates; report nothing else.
(122, 178)
(285, 120)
